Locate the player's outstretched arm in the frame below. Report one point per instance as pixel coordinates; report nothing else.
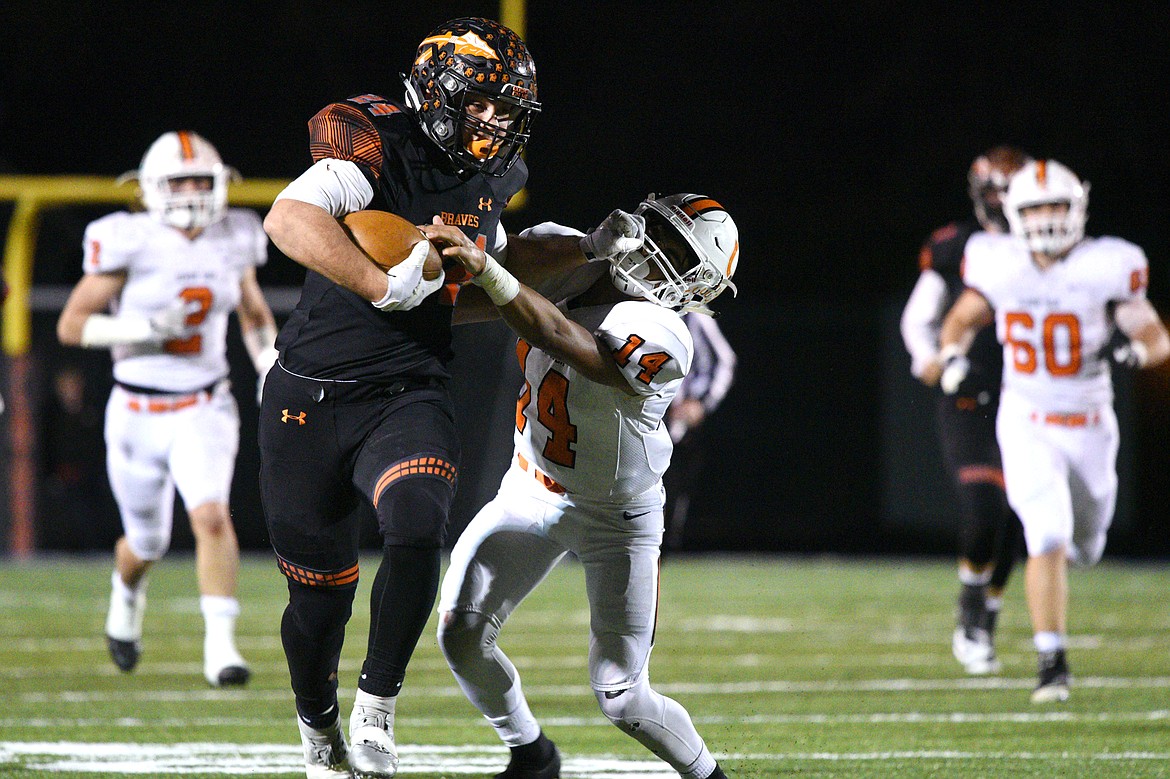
(528, 313)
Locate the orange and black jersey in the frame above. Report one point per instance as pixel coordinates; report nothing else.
(943, 253)
(336, 334)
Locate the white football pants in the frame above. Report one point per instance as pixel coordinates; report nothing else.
(151, 452)
(1060, 473)
(506, 551)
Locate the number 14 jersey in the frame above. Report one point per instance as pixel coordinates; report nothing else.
(1055, 322)
(595, 440)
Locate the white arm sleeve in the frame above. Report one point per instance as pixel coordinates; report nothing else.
(337, 186)
(102, 330)
(499, 247)
(922, 319)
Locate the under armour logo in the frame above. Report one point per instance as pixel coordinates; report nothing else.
(485, 204)
(287, 417)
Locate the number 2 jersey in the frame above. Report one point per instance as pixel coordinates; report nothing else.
(163, 265)
(1055, 323)
(595, 440)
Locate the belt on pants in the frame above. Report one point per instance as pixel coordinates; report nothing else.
(1066, 420)
(154, 401)
(546, 481)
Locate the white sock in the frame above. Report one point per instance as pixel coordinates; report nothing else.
(219, 616)
(125, 591)
(376, 702)
(517, 727)
(1047, 641)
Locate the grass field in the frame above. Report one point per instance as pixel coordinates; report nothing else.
(810, 667)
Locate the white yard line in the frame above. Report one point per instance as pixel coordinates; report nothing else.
(681, 688)
(125, 759)
(877, 718)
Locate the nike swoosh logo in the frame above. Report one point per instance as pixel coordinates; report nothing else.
(628, 515)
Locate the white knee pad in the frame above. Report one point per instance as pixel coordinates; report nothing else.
(466, 635)
(1049, 538)
(148, 543)
(1086, 552)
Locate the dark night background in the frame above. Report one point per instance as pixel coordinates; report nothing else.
(838, 135)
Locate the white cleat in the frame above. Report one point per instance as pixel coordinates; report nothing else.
(325, 751)
(124, 628)
(973, 648)
(372, 753)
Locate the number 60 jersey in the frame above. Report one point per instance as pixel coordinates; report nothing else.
(595, 440)
(1055, 322)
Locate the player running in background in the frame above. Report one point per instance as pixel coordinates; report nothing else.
(356, 419)
(591, 448)
(989, 533)
(157, 291)
(702, 390)
(1055, 297)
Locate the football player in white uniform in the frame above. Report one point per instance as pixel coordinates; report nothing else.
(591, 448)
(157, 291)
(1055, 297)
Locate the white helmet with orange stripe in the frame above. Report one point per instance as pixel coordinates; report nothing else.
(1054, 230)
(183, 180)
(689, 255)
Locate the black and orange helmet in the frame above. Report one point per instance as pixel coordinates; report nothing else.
(459, 61)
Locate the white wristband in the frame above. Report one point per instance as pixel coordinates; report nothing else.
(501, 286)
(102, 330)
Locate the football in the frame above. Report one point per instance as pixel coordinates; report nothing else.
(387, 239)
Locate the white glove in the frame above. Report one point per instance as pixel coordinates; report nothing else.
(405, 286)
(171, 322)
(1132, 355)
(955, 369)
(620, 233)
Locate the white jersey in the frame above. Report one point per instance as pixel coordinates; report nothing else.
(162, 264)
(1054, 323)
(594, 440)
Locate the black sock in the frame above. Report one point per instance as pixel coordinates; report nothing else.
(535, 755)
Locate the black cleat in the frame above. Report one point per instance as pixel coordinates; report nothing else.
(1054, 678)
(233, 676)
(125, 654)
(548, 767)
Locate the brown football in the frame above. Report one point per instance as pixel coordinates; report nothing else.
(387, 239)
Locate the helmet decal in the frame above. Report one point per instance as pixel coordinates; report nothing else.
(472, 62)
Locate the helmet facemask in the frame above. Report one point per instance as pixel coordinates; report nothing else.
(680, 266)
(463, 62)
(1052, 232)
(172, 159)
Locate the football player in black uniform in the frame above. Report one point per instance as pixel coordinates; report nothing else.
(990, 533)
(356, 418)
